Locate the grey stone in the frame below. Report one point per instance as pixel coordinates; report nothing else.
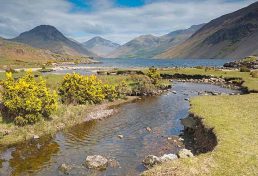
(96, 162)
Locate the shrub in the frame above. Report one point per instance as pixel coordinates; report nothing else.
(79, 89)
(244, 69)
(254, 74)
(27, 100)
(110, 92)
(154, 75)
(123, 89)
(142, 85)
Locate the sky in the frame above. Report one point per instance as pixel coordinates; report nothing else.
(116, 20)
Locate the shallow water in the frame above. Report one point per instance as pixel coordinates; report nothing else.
(162, 114)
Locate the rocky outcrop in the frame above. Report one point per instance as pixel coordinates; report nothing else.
(250, 62)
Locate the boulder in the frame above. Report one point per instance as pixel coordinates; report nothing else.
(96, 162)
(184, 153)
(151, 160)
(168, 157)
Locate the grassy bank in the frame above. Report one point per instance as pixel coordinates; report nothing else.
(250, 82)
(234, 119)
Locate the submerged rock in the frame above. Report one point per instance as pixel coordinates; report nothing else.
(120, 136)
(148, 129)
(96, 162)
(184, 153)
(64, 168)
(113, 163)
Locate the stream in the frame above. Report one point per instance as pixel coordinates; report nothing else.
(160, 113)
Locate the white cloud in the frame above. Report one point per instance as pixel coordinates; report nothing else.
(109, 21)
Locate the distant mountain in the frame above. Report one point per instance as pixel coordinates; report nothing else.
(147, 46)
(100, 46)
(234, 35)
(48, 37)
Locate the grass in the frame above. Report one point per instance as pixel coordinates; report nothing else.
(234, 119)
(251, 83)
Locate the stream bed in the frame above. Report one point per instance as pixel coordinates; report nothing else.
(161, 113)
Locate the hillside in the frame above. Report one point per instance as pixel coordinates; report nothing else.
(234, 35)
(100, 46)
(48, 37)
(147, 46)
(14, 54)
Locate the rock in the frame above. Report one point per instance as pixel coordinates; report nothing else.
(64, 168)
(148, 129)
(180, 139)
(189, 122)
(120, 136)
(113, 163)
(168, 157)
(96, 162)
(187, 99)
(151, 160)
(184, 153)
(35, 137)
(174, 92)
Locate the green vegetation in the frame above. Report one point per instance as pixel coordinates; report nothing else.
(254, 74)
(78, 89)
(234, 119)
(26, 101)
(249, 59)
(250, 82)
(244, 69)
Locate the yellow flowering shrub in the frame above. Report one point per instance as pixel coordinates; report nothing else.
(27, 100)
(79, 89)
(154, 75)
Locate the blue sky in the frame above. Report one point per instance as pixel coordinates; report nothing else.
(116, 20)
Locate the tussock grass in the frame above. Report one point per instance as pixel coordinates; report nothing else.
(234, 119)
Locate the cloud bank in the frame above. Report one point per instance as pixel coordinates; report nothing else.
(109, 19)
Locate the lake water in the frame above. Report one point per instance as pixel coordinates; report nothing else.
(140, 63)
(161, 113)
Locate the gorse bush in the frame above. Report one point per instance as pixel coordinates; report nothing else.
(27, 100)
(154, 75)
(79, 89)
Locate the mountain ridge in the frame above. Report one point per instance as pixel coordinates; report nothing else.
(147, 46)
(228, 36)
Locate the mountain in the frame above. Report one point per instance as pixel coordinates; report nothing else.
(48, 37)
(14, 54)
(20, 55)
(100, 46)
(234, 35)
(147, 46)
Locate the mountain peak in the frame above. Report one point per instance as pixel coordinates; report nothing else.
(100, 45)
(48, 37)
